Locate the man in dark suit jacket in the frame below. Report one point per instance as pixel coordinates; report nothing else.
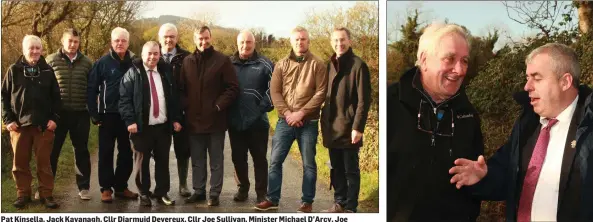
(149, 106)
(541, 172)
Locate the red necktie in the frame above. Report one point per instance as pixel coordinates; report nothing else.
(155, 96)
(533, 170)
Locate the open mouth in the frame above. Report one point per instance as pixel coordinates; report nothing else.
(534, 100)
(453, 78)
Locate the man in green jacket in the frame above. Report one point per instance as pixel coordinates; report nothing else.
(71, 68)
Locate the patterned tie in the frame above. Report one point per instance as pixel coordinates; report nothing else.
(155, 96)
(168, 57)
(533, 170)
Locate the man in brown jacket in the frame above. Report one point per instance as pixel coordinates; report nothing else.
(343, 119)
(208, 86)
(298, 87)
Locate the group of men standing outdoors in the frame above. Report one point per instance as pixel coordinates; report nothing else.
(168, 94)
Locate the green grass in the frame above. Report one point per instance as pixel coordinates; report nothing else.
(369, 181)
(64, 177)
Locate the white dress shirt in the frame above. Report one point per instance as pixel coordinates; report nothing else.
(161, 97)
(164, 53)
(545, 198)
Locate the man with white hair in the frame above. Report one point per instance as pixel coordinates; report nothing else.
(149, 105)
(103, 81)
(543, 171)
(298, 87)
(173, 55)
(430, 123)
(208, 86)
(248, 120)
(31, 104)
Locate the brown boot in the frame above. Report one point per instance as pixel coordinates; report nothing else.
(126, 194)
(106, 196)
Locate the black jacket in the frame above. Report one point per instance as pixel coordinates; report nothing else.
(176, 62)
(249, 110)
(104, 81)
(135, 95)
(417, 172)
(347, 102)
(503, 181)
(30, 98)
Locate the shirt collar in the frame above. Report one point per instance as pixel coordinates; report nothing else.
(146, 68)
(565, 116)
(172, 52)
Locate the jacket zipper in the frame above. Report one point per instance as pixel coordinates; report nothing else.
(435, 111)
(104, 95)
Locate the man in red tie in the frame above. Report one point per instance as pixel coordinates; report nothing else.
(149, 106)
(540, 171)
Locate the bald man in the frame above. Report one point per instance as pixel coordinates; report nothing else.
(249, 125)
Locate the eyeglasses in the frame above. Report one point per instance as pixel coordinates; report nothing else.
(440, 130)
(31, 72)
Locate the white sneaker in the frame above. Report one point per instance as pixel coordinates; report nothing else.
(84, 194)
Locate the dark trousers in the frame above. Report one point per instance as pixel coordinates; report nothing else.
(156, 140)
(182, 154)
(213, 143)
(255, 142)
(345, 176)
(113, 128)
(78, 124)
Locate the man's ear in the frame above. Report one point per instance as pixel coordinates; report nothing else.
(566, 81)
(423, 61)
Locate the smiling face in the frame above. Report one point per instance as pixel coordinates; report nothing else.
(168, 40)
(340, 42)
(245, 44)
(203, 40)
(546, 88)
(32, 50)
(444, 70)
(151, 55)
(120, 44)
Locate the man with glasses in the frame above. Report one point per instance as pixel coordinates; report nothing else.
(430, 123)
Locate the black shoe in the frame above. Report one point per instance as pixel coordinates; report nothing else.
(165, 200)
(240, 196)
(213, 201)
(145, 201)
(195, 198)
(21, 202)
(49, 202)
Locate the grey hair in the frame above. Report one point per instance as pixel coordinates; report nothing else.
(31, 39)
(433, 34)
(562, 58)
(119, 31)
(166, 27)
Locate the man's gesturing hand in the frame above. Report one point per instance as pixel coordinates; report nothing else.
(468, 172)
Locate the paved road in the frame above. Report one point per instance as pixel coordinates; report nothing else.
(290, 201)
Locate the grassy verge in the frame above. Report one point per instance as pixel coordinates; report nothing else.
(64, 177)
(369, 181)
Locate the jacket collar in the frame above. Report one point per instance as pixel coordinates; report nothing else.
(161, 66)
(63, 55)
(128, 56)
(23, 62)
(237, 60)
(306, 56)
(411, 92)
(338, 63)
(206, 53)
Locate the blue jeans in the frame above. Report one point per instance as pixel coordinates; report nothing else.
(284, 136)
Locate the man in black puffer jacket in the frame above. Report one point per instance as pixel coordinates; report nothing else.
(104, 81)
(248, 124)
(150, 108)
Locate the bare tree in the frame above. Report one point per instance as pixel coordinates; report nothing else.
(545, 16)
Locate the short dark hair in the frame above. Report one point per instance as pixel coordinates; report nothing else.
(341, 28)
(71, 31)
(203, 29)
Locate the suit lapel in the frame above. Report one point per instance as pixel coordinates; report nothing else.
(569, 150)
